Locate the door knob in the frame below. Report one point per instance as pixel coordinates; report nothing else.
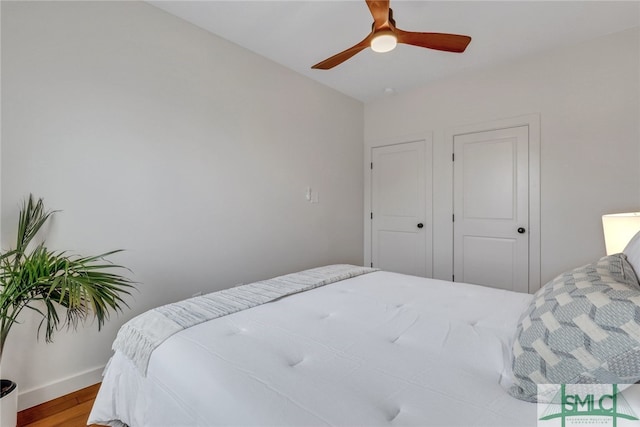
(420, 225)
(521, 230)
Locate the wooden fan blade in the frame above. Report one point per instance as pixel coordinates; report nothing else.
(380, 11)
(438, 41)
(339, 58)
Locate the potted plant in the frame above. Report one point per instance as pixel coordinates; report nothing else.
(50, 283)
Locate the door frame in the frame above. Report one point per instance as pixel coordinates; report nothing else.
(533, 123)
(368, 150)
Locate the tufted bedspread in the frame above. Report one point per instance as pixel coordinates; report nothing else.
(377, 349)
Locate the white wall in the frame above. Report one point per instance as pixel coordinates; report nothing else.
(191, 153)
(588, 99)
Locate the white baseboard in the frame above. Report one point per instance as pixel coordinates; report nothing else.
(36, 396)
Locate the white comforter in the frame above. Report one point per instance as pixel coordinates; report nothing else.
(377, 349)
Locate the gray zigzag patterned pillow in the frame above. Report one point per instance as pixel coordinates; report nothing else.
(583, 327)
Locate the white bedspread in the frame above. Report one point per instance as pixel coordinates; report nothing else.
(139, 337)
(377, 349)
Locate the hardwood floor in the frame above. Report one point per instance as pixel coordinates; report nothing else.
(71, 410)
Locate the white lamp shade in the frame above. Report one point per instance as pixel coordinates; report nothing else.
(384, 41)
(619, 229)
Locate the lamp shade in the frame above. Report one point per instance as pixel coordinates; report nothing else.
(619, 229)
(384, 41)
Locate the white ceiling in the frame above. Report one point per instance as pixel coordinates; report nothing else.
(298, 34)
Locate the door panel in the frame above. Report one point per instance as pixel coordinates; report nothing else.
(491, 202)
(480, 269)
(398, 187)
(400, 252)
(488, 185)
(400, 200)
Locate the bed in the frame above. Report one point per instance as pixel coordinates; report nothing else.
(376, 348)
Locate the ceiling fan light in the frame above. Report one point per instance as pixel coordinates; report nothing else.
(384, 41)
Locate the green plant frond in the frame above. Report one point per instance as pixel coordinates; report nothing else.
(100, 257)
(31, 219)
(83, 291)
(46, 281)
(8, 254)
(51, 320)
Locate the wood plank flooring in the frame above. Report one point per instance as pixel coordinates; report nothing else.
(71, 410)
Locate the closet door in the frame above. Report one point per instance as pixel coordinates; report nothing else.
(401, 208)
(491, 208)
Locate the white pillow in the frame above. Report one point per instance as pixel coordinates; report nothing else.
(632, 251)
(559, 325)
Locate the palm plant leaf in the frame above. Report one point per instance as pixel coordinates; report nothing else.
(32, 218)
(45, 281)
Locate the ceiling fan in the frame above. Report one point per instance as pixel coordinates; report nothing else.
(385, 35)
